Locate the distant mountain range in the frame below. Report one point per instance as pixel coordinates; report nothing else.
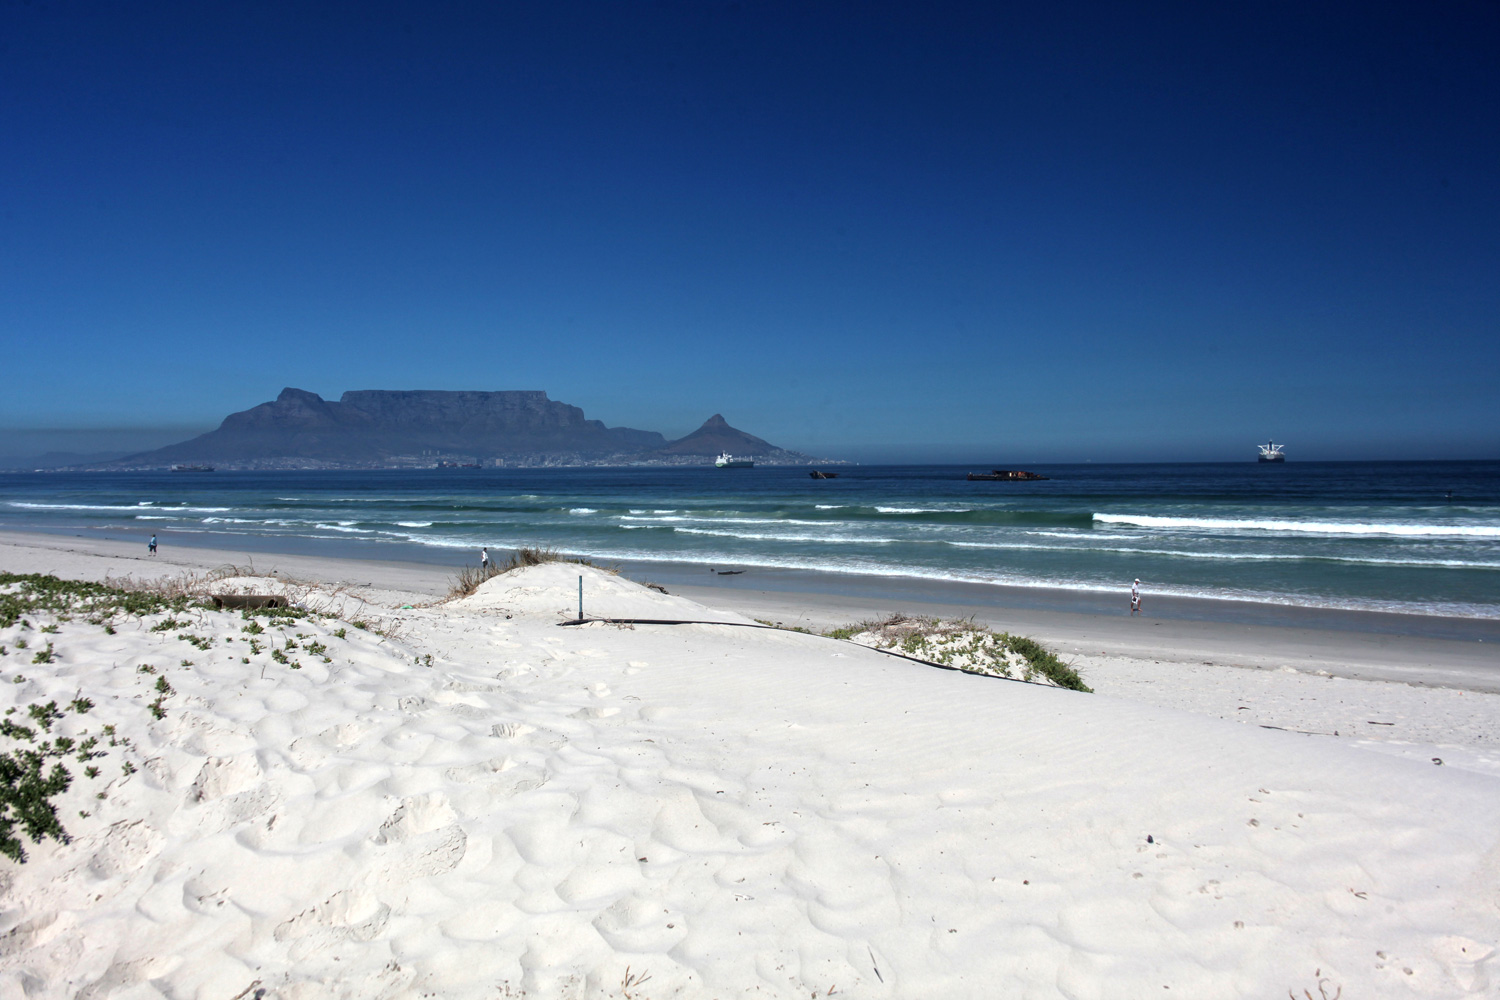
(381, 428)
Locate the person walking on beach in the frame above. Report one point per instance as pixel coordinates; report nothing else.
(484, 560)
(151, 546)
(1135, 597)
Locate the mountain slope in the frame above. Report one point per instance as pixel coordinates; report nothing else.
(378, 427)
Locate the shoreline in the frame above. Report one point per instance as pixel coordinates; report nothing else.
(1424, 651)
(860, 588)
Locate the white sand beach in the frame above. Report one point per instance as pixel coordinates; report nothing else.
(402, 796)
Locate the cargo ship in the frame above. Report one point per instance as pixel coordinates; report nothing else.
(1271, 452)
(728, 461)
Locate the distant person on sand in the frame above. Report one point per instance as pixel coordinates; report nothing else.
(151, 546)
(484, 560)
(1135, 597)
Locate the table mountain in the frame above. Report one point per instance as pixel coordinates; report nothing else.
(380, 428)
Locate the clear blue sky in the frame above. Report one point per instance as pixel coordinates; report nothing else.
(1034, 231)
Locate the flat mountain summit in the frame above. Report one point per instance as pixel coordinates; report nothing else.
(383, 428)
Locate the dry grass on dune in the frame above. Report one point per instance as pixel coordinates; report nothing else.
(965, 645)
(470, 577)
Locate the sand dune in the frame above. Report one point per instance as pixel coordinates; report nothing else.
(468, 800)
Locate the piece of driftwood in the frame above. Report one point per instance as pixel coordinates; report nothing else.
(235, 602)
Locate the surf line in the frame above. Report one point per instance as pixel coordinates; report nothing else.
(778, 628)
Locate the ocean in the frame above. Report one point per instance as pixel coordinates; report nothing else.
(1413, 537)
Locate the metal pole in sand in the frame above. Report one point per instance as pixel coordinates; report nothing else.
(580, 598)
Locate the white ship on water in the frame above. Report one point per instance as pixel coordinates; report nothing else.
(728, 461)
(1271, 452)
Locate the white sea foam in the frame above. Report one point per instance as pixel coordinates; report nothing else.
(1232, 556)
(924, 510)
(763, 537)
(132, 508)
(1305, 527)
(414, 524)
(582, 510)
(1081, 534)
(683, 518)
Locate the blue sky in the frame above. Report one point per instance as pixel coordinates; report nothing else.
(908, 231)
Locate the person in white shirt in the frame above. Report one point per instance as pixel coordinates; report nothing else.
(484, 560)
(1135, 597)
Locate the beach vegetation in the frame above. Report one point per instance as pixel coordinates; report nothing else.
(44, 715)
(44, 655)
(27, 787)
(784, 628)
(32, 775)
(963, 644)
(470, 577)
(164, 691)
(282, 613)
(24, 594)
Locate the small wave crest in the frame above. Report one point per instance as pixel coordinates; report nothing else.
(132, 508)
(1304, 527)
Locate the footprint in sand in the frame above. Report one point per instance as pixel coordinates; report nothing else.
(221, 776)
(36, 933)
(482, 772)
(420, 839)
(528, 735)
(1468, 961)
(350, 915)
(124, 849)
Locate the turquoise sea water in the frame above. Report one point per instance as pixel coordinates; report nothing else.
(1415, 537)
